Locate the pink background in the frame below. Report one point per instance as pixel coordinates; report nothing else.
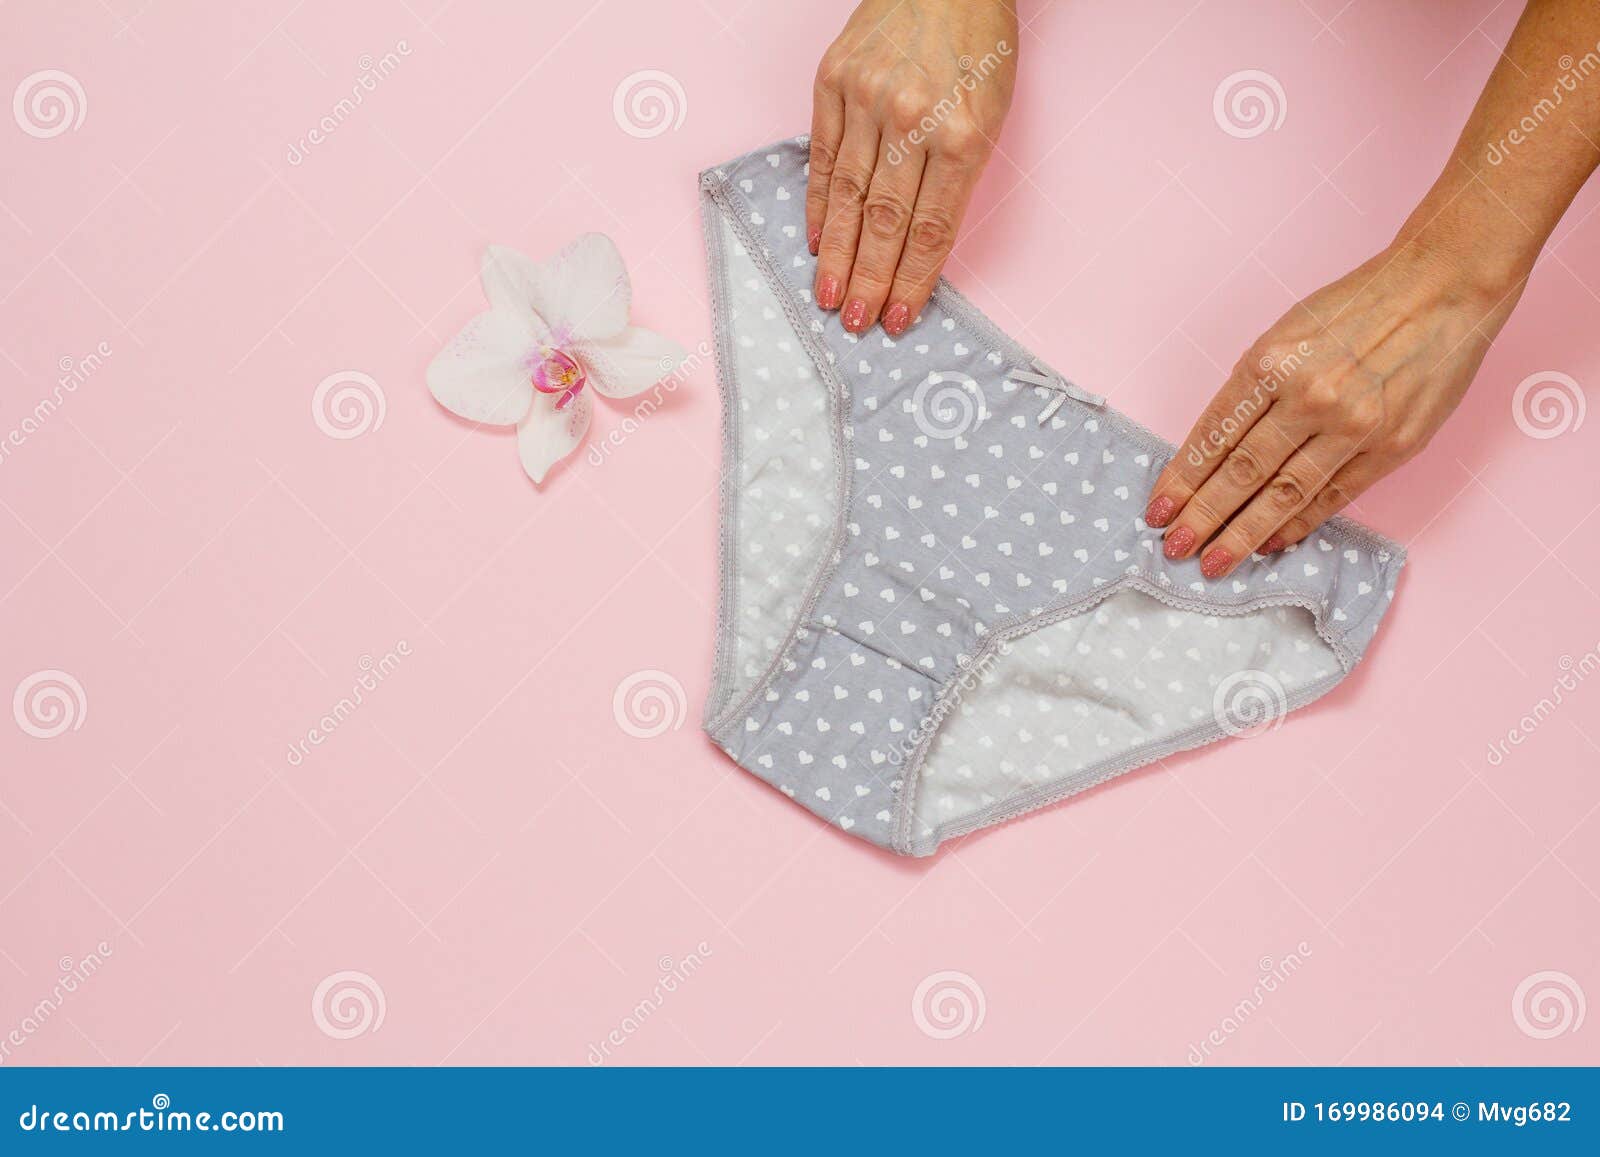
(481, 839)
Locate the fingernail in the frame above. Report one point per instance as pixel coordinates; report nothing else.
(1273, 545)
(814, 240)
(1216, 562)
(896, 318)
(828, 291)
(1160, 511)
(1178, 543)
(855, 315)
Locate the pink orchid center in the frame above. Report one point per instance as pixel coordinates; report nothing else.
(557, 372)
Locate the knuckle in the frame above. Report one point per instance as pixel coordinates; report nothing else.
(960, 137)
(849, 185)
(1243, 467)
(932, 230)
(1365, 414)
(868, 85)
(908, 108)
(886, 215)
(1286, 492)
(1202, 511)
(823, 158)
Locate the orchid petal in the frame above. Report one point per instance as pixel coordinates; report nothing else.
(483, 375)
(634, 360)
(548, 435)
(583, 291)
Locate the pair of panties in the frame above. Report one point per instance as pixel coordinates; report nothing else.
(940, 604)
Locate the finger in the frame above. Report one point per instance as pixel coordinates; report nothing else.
(1245, 469)
(847, 189)
(1298, 484)
(1237, 407)
(827, 130)
(1347, 484)
(947, 185)
(885, 216)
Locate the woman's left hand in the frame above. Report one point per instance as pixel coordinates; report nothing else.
(1344, 388)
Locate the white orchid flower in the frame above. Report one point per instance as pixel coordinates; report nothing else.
(551, 330)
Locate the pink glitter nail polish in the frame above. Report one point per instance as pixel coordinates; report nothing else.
(814, 241)
(1178, 543)
(1160, 511)
(855, 315)
(1216, 562)
(1273, 545)
(828, 291)
(896, 318)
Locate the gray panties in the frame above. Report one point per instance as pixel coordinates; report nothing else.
(940, 604)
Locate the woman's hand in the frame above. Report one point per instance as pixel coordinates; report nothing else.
(1346, 386)
(907, 104)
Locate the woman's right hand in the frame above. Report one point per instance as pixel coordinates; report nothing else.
(907, 104)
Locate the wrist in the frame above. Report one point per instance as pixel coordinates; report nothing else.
(1466, 236)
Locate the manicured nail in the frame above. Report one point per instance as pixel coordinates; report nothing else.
(896, 318)
(1216, 562)
(1160, 511)
(828, 291)
(814, 240)
(1178, 543)
(855, 315)
(1273, 545)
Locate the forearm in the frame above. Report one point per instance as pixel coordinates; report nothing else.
(1531, 142)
